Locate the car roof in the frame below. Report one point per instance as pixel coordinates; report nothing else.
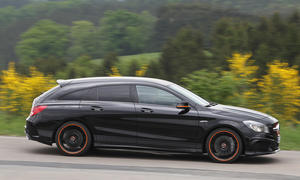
(122, 79)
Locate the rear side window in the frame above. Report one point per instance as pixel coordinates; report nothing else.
(44, 95)
(84, 94)
(115, 93)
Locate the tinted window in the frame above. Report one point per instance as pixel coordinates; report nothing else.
(115, 93)
(189, 94)
(85, 94)
(151, 95)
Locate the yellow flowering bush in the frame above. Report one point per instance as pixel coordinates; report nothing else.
(277, 93)
(241, 65)
(280, 92)
(243, 70)
(17, 91)
(114, 72)
(142, 71)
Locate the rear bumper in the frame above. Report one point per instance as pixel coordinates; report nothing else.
(261, 146)
(32, 134)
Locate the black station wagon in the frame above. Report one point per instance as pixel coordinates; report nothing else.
(146, 114)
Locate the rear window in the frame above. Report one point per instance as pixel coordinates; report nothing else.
(84, 94)
(115, 93)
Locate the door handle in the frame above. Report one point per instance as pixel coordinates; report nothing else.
(96, 108)
(146, 110)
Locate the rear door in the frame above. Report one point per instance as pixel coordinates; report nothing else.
(160, 124)
(112, 116)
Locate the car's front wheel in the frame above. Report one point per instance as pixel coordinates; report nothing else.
(73, 139)
(224, 145)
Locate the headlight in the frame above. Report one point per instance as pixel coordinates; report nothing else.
(256, 126)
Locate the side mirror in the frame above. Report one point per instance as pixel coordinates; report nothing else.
(183, 105)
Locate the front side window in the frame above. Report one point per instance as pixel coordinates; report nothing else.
(152, 95)
(189, 94)
(119, 93)
(89, 94)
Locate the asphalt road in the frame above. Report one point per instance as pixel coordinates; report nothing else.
(23, 159)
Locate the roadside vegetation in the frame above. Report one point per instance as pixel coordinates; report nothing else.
(245, 56)
(290, 138)
(12, 125)
(126, 64)
(236, 86)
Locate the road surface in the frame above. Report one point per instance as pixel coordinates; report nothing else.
(23, 159)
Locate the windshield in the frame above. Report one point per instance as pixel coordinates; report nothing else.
(189, 95)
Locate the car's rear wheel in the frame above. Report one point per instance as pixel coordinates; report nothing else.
(224, 145)
(73, 139)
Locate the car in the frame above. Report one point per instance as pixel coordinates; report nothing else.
(146, 114)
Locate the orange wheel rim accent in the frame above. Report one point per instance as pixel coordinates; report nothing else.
(68, 152)
(233, 156)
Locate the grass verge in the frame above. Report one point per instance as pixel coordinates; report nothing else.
(12, 125)
(290, 138)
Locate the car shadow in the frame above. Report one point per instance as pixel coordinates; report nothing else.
(133, 154)
(267, 159)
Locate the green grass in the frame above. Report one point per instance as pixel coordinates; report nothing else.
(14, 126)
(290, 138)
(11, 125)
(124, 61)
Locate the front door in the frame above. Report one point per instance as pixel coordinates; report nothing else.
(160, 124)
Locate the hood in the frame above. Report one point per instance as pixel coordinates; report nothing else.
(243, 113)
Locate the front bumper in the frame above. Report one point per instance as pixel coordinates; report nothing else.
(261, 145)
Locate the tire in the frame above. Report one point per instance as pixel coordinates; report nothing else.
(73, 139)
(224, 145)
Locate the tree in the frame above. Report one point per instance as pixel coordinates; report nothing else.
(133, 67)
(226, 87)
(50, 65)
(272, 38)
(83, 40)
(154, 70)
(81, 67)
(7, 15)
(125, 32)
(213, 86)
(229, 37)
(16, 3)
(109, 61)
(46, 39)
(174, 16)
(183, 54)
(292, 41)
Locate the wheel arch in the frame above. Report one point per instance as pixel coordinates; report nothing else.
(229, 126)
(60, 123)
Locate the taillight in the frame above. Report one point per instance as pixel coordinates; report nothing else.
(37, 109)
